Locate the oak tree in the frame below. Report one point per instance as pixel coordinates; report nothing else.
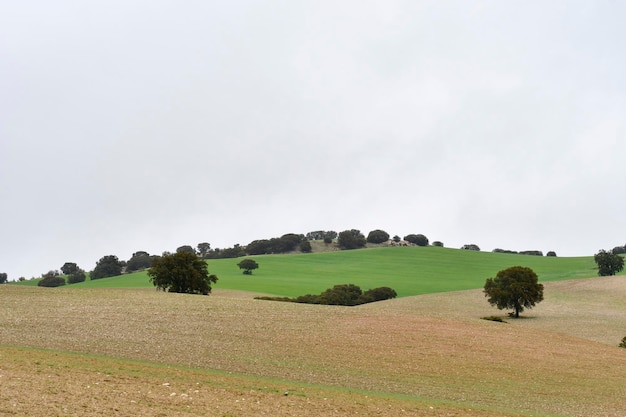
(181, 272)
(514, 288)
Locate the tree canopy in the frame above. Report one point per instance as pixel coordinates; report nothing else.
(377, 236)
(3, 277)
(181, 272)
(351, 239)
(248, 265)
(69, 268)
(139, 260)
(107, 266)
(514, 288)
(51, 279)
(608, 263)
(419, 239)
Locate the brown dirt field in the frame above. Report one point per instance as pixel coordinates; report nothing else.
(242, 355)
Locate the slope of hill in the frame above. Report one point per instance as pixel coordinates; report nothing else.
(408, 270)
(427, 355)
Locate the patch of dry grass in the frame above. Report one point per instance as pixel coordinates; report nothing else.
(376, 359)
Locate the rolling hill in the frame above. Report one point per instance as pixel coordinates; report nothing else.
(408, 270)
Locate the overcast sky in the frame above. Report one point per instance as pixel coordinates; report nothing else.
(147, 125)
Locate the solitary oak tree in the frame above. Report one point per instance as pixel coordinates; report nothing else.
(181, 272)
(248, 265)
(608, 263)
(514, 288)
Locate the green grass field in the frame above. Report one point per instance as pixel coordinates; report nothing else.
(408, 270)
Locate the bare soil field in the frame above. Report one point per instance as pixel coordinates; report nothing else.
(71, 352)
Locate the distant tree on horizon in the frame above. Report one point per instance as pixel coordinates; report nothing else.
(3, 277)
(107, 266)
(138, 261)
(351, 239)
(377, 236)
(186, 248)
(203, 249)
(417, 239)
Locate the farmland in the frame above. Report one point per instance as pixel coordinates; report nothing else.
(88, 351)
(408, 270)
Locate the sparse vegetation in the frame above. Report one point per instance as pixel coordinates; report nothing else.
(623, 343)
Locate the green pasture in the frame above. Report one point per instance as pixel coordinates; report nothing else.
(408, 270)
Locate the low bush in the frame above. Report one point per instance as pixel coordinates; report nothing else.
(75, 277)
(51, 279)
(623, 343)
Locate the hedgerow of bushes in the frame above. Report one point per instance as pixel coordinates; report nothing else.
(343, 295)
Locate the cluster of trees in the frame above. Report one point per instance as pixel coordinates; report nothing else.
(286, 243)
(343, 295)
(524, 252)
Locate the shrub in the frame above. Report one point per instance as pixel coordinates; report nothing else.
(419, 239)
(51, 279)
(380, 294)
(305, 246)
(76, 277)
(438, 243)
(351, 239)
(307, 299)
(551, 253)
(470, 246)
(107, 266)
(377, 236)
(531, 252)
(623, 343)
(498, 250)
(139, 260)
(342, 295)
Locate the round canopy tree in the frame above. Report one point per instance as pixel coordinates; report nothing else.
(248, 265)
(514, 288)
(608, 263)
(181, 272)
